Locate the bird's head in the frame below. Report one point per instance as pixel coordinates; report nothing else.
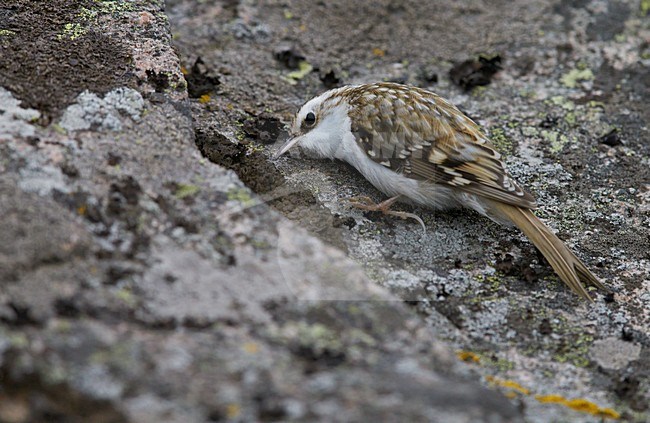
(320, 125)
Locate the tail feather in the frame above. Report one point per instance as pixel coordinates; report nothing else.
(570, 269)
(586, 275)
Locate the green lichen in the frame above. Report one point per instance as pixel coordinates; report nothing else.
(571, 79)
(18, 340)
(119, 353)
(186, 190)
(570, 118)
(241, 195)
(126, 296)
(529, 131)
(304, 68)
(6, 32)
(162, 16)
(87, 17)
(501, 142)
(494, 282)
(577, 352)
(527, 93)
(58, 129)
(557, 140)
(173, 82)
(563, 102)
(596, 104)
(72, 31)
(354, 309)
(570, 343)
(644, 7)
(501, 364)
(110, 7)
(318, 337)
(252, 148)
(479, 91)
(359, 337)
(54, 373)
(574, 343)
(259, 244)
(62, 326)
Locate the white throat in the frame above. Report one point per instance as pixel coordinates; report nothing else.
(326, 138)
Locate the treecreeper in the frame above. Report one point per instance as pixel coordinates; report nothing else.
(416, 147)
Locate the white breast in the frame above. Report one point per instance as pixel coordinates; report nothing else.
(392, 183)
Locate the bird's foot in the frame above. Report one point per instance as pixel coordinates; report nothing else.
(366, 203)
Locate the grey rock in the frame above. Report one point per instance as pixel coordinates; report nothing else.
(614, 353)
(140, 281)
(15, 120)
(91, 111)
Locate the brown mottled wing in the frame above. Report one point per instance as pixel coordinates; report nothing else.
(420, 135)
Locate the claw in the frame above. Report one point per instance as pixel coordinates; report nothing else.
(405, 215)
(361, 202)
(366, 203)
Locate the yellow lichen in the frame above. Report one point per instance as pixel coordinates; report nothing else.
(303, 69)
(468, 356)
(251, 347)
(608, 413)
(579, 404)
(550, 398)
(233, 411)
(510, 384)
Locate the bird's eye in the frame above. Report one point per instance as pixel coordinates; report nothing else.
(310, 119)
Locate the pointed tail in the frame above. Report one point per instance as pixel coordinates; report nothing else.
(570, 269)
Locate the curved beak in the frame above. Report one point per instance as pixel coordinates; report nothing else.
(287, 145)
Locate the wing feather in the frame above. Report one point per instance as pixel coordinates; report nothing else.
(424, 137)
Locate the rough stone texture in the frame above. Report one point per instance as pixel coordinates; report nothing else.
(147, 272)
(614, 353)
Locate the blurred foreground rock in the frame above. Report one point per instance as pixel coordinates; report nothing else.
(140, 282)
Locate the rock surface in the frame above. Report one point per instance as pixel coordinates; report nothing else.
(157, 266)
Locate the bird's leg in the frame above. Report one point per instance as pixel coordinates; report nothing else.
(365, 203)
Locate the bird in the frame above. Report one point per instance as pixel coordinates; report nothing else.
(416, 147)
